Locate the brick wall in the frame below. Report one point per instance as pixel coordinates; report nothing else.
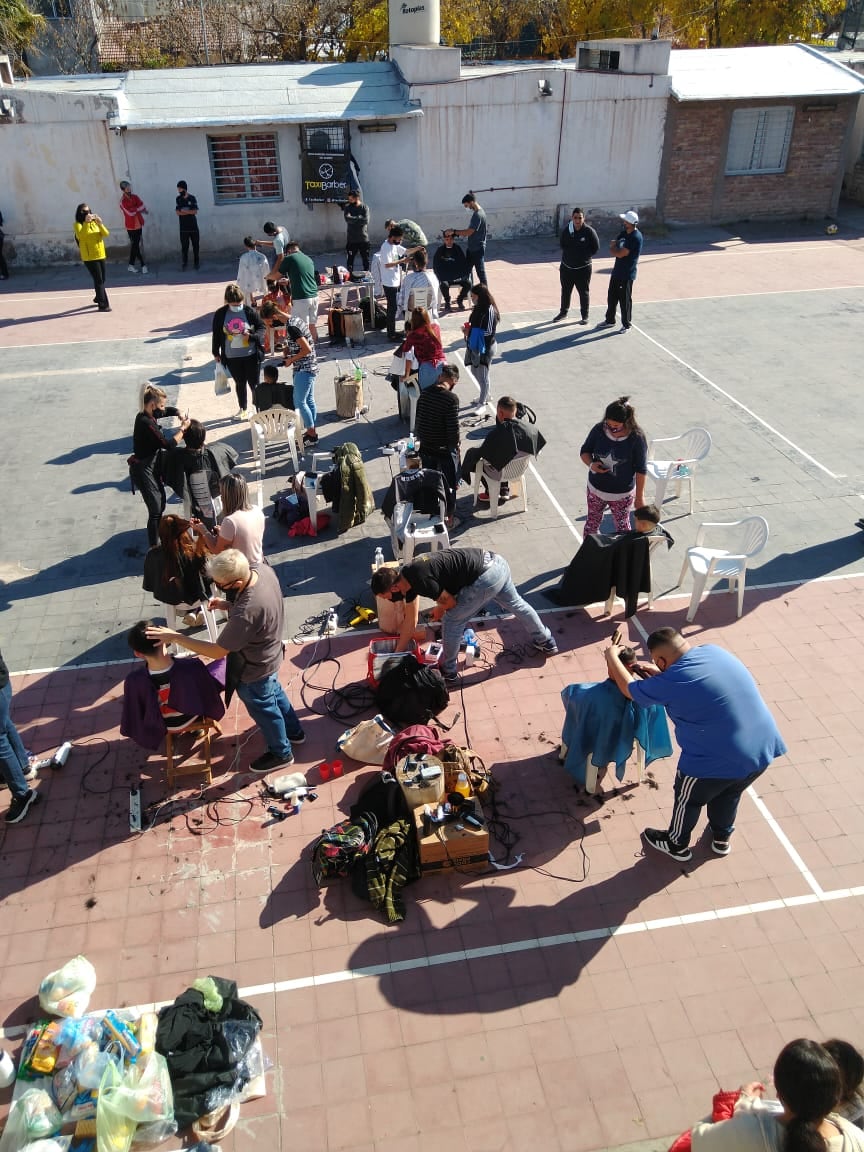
(694, 188)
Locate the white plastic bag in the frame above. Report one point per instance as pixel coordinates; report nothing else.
(221, 385)
(67, 991)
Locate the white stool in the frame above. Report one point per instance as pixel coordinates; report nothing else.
(424, 530)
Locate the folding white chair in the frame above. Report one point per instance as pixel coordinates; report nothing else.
(171, 611)
(276, 425)
(516, 470)
(690, 449)
(723, 551)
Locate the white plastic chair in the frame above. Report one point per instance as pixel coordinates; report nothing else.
(419, 530)
(689, 449)
(722, 551)
(422, 297)
(654, 542)
(312, 484)
(409, 394)
(171, 611)
(275, 426)
(515, 470)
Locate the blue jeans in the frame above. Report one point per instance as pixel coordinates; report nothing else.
(271, 710)
(14, 757)
(494, 584)
(304, 400)
(719, 797)
(428, 375)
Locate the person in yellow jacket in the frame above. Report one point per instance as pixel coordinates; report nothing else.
(90, 233)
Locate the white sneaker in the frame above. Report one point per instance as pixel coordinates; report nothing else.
(243, 414)
(132, 268)
(144, 269)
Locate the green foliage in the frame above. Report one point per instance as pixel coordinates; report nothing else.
(19, 28)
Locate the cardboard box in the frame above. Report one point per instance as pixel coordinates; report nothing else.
(453, 847)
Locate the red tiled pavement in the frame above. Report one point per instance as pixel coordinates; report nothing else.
(485, 1052)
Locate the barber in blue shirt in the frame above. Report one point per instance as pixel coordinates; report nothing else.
(724, 729)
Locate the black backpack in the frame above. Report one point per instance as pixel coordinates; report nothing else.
(411, 693)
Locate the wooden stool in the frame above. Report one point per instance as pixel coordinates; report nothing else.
(196, 768)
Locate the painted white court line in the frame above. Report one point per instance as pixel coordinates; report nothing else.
(529, 944)
(787, 844)
(150, 369)
(532, 467)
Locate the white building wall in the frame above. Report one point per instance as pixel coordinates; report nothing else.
(596, 140)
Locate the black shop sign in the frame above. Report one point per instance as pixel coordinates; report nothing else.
(325, 179)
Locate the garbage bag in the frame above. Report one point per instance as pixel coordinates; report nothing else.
(114, 1130)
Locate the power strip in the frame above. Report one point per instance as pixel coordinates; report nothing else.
(135, 809)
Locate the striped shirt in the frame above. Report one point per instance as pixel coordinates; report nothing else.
(437, 421)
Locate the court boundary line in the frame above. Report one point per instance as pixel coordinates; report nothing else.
(527, 944)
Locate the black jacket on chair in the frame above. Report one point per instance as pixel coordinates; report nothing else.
(604, 562)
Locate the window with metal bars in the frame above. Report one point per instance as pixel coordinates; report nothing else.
(245, 167)
(599, 59)
(324, 139)
(759, 140)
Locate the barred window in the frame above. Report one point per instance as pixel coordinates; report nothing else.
(759, 140)
(324, 139)
(245, 167)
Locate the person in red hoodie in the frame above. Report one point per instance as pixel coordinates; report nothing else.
(134, 211)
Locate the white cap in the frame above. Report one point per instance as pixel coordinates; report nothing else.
(630, 217)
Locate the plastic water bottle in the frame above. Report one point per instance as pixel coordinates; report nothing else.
(411, 444)
(358, 373)
(378, 562)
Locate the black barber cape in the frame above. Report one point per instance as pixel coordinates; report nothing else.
(619, 561)
(506, 440)
(205, 1050)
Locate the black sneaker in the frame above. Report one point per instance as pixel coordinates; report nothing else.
(659, 839)
(560, 316)
(606, 324)
(584, 320)
(451, 679)
(548, 647)
(269, 761)
(721, 847)
(297, 739)
(20, 806)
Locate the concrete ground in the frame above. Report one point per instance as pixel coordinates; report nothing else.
(592, 997)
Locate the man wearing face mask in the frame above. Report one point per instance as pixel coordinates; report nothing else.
(252, 641)
(475, 234)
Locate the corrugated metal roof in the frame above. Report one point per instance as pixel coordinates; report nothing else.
(784, 71)
(225, 96)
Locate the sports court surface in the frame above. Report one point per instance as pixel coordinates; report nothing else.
(591, 997)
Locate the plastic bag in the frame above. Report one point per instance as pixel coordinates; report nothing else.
(221, 385)
(74, 1037)
(144, 1093)
(57, 1144)
(154, 1133)
(114, 1130)
(34, 1116)
(367, 741)
(67, 991)
(90, 1066)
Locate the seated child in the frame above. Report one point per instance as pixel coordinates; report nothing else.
(275, 333)
(647, 520)
(601, 727)
(167, 695)
(271, 391)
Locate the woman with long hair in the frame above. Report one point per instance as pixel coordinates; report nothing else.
(174, 569)
(808, 1085)
(423, 342)
(148, 440)
(242, 524)
(238, 343)
(615, 452)
(480, 336)
(90, 235)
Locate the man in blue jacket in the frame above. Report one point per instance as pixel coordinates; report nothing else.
(724, 729)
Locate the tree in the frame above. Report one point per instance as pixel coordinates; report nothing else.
(19, 28)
